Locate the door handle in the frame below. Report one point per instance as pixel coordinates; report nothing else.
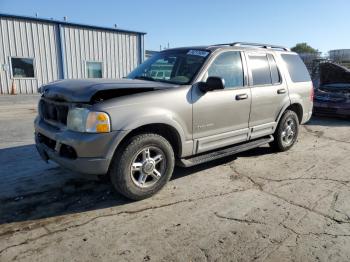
(241, 96)
(281, 91)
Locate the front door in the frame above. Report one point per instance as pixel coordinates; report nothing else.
(220, 117)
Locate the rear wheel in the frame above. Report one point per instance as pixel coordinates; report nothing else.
(143, 166)
(287, 132)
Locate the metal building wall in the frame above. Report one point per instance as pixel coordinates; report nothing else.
(31, 39)
(341, 55)
(119, 52)
(61, 50)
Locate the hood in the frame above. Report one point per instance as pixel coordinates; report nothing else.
(332, 73)
(90, 90)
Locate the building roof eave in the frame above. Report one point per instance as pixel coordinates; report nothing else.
(45, 20)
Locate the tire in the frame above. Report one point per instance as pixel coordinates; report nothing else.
(142, 166)
(287, 132)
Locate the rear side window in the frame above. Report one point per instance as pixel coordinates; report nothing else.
(296, 68)
(275, 74)
(260, 70)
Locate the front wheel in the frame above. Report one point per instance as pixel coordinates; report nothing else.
(143, 166)
(287, 132)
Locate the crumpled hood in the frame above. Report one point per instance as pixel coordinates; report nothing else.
(331, 73)
(333, 93)
(83, 90)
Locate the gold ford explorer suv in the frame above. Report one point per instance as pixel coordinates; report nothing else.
(212, 101)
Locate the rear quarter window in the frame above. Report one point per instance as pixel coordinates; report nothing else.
(296, 68)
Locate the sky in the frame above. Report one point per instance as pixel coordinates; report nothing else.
(324, 25)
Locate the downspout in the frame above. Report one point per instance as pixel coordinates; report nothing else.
(62, 52)
(141, 48)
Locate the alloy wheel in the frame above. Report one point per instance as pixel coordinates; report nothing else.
(289, 132)
(148, 166)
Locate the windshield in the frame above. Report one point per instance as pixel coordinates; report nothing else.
(173, 66)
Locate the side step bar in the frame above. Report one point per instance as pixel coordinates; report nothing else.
(206, 157)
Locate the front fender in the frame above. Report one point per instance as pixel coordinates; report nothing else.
(125, 121)
(128, 121)
(170, 107)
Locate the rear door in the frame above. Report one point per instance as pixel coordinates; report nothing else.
(220, 117)
(269, 93)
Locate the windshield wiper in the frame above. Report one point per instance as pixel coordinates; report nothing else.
(144, 78)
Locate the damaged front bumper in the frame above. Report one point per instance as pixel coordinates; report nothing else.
(80, 152)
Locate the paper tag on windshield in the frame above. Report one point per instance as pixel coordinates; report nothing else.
(198, 53)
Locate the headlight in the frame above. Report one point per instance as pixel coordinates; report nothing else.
(84, 120)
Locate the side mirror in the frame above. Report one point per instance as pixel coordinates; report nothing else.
(212, 83)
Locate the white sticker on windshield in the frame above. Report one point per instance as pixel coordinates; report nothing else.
(198, 53)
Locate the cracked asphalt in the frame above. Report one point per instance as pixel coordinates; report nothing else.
(255, 206)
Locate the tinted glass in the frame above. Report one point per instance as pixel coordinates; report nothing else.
(94, 69)
(22, 67)
(296, 68)
(228, 66)
(275, 74)
(172, 66)
(260, 70)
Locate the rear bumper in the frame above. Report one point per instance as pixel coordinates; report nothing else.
(92, 152)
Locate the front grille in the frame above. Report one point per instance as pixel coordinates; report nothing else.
(54, 111)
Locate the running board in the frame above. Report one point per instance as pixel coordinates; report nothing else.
(206, 157)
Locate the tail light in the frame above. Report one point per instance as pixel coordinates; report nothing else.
(312, 93)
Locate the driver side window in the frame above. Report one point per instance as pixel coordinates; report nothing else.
(228, 66)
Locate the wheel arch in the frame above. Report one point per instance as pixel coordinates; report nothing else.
(167, 131)
(296, 108)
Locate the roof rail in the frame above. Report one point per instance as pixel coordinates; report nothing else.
(267, 46)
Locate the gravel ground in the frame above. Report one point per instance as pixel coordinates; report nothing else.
(255, 206)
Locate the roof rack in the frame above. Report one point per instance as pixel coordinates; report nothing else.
(267, 46)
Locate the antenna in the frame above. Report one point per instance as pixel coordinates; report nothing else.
(65, 18)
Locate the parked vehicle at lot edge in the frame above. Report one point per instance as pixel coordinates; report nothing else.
(332, 97)
(219, 100)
